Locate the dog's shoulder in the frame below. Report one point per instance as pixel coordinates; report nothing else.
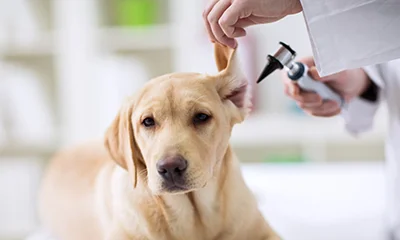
(73, 164)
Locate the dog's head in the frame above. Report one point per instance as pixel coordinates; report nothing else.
(174, 133)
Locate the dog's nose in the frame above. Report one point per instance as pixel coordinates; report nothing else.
(172, 167)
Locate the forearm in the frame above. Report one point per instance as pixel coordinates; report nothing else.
(360, 112)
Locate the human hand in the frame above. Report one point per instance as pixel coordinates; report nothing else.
(349, 84)
(225, 20)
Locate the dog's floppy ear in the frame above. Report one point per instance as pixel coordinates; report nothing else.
(231, 84)
(120, 142)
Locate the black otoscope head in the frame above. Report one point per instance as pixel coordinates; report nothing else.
(281, 58)
(272, 65)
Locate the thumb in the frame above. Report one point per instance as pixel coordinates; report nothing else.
(315, 75)
(231, 17)
(312, 71)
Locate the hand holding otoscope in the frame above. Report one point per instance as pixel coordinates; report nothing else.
(315, 96)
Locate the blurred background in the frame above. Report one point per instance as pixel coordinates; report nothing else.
(66, 66)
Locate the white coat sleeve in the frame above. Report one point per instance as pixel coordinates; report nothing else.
(359, 113)
(351, 34)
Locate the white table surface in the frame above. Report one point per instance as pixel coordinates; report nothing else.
(341, 201)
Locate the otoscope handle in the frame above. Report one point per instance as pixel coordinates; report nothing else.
(307, 83)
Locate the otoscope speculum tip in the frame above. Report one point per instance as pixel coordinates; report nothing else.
(271, 66)
(283, 57)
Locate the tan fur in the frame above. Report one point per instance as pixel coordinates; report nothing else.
(113, 191)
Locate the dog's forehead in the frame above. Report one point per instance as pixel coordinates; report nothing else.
(188, 81)
(178, 87)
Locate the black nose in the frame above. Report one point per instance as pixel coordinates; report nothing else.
(172, 168)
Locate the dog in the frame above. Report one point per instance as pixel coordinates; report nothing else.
(165, 169)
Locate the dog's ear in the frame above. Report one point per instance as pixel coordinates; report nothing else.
(231, 84)
(120, 142)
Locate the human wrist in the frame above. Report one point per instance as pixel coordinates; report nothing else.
(369, 91)
(295, 7)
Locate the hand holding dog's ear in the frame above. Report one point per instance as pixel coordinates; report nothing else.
(231, 83)
(226, 20)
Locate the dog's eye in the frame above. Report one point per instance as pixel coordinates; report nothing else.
(201, 117)
(148, 122)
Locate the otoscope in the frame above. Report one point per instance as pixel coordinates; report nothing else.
(298, 72)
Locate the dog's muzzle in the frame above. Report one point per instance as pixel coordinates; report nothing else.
(172, 170)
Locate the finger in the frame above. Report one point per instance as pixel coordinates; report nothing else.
(213, 19)
(327, 109)
(253, 20)
(328, 114)
(293, 89)
(307, 97)
(230, 17)
(206, 12)
(238, 32)
(245, 22)
(312, 71)
(308, 61)
(303, 99)
(308, 100)
(315, 75)
(287, 91)
(237, 16)
(305, 106)
(210, 5)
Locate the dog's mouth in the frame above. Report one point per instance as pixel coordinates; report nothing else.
(175, 182)
(175, 187)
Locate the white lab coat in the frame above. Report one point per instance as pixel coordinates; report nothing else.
(364, 33)
(352, 33)
(359, 117)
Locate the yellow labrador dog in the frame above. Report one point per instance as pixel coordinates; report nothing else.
(166, 170)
